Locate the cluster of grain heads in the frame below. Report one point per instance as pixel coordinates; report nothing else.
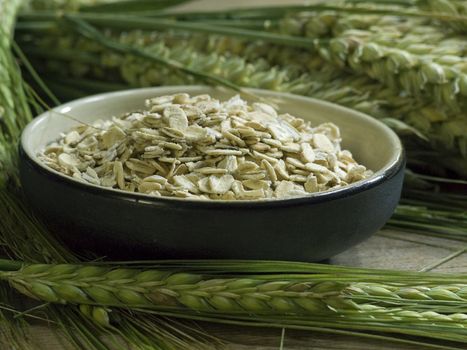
(102, 64)
(404, 53)
(159, 290)
(300, 299)
(441, 79)
(411, 58)
(246, 69)
(400, 70)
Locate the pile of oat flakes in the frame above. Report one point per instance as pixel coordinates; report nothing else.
(200, 147)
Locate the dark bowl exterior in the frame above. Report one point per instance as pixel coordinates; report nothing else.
(123, 225)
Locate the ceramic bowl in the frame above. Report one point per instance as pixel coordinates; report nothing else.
(120, 224)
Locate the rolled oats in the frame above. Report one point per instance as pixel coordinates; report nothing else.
(199, 147)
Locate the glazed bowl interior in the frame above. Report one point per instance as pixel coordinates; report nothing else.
(371, 142)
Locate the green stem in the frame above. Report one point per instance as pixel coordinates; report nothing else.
(281, 10)
(441, 179)
(129, 22)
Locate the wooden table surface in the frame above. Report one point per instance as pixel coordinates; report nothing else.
(387, 249)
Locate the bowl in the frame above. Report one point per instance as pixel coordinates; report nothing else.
(118, 224)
